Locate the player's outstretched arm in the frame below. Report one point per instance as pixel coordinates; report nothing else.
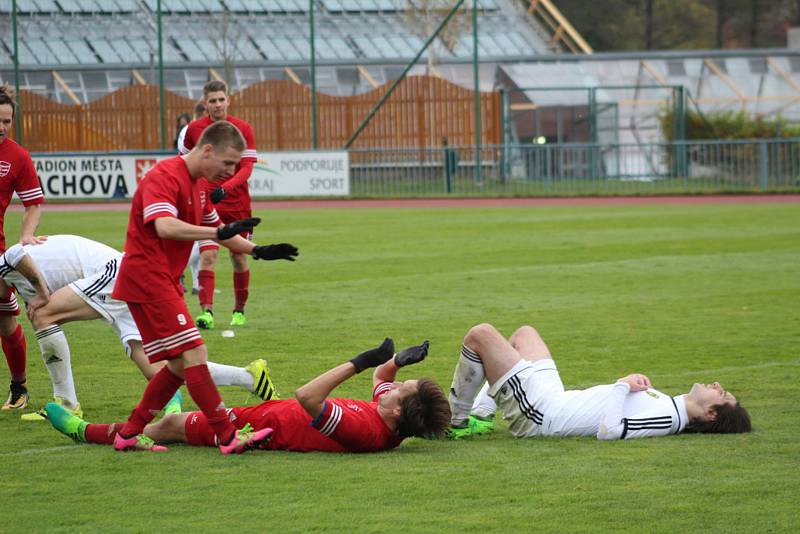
(312, 395)
(173, 228)
(30, 221)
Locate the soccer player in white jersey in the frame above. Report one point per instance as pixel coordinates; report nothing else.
(70, 278)
(522, 380)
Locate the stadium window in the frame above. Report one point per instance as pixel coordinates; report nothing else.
(758, 65)
(676, 67)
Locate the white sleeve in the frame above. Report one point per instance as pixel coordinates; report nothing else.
(14, 255)
(181, 136)
(612, 425)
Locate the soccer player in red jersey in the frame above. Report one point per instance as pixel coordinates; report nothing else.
(17, 174)
(312, 421)
(232, 197)
(169, 212)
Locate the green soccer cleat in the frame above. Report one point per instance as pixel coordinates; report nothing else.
(480, 425)
(62, 420)
(263, 386)
(238, 319)
(205, 320)
(41, 413)
(17, 396)
(175, 404)
(459, 432)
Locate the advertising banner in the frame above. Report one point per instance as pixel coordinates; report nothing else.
(98, 176)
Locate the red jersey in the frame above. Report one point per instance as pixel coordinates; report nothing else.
(152, 266)
(345, 425)
(17, 174)
(237, 196)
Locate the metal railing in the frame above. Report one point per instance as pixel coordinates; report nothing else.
(579, 169)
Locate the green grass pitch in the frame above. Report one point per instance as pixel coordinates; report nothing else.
(683, 293)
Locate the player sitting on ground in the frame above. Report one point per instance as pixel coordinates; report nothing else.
(70, 278)
(312, 422)
(523, 380)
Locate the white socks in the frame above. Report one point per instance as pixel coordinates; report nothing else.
(57, 360)
(228, 375)
(468, 377)
(484, 406)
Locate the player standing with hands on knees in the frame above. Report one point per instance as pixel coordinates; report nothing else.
(17, 174)
(168, 213)
(232, 197)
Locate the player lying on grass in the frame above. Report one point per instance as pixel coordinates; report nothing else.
(525, 384)
(70, 278)
(312, 421)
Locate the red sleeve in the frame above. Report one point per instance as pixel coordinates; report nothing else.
(349, 425)
(210, 217)
(159, 197)
(380, 389)
(27, 185)
(240, 178)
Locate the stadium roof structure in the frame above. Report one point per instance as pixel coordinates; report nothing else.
(97, 46)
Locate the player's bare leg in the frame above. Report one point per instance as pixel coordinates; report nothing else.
(170, 429)
(529, 344)
(485, 355)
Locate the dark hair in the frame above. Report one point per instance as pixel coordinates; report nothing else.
(222, 134)
(213, 86)
(425, 413)
(199, 109)
(7, 97)
(731, 419)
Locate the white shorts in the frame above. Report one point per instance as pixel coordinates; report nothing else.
(96, 292)
(527, 394)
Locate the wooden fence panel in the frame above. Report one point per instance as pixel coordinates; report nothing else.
(421, 112)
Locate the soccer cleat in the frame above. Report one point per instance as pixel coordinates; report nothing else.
(263, 386)
(65, 422)
(205, 320)
(41, 413)
(17, 396)
(139, 442)
(245, 439)
(238, 319)
(480, 425)
(175, 404)
(459, 432)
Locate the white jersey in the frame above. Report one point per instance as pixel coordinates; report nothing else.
(62, 260)
(535, 403)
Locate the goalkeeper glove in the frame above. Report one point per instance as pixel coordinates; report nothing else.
(217, 195)
(281, 251)
(237, 227)
(411, 355)
(374, 357)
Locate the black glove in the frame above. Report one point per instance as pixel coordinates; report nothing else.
(237, 227)
(374, 357)
(281, 251)
(217, 195)
(411, 355)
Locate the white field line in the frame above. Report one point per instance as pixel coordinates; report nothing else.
(29, 452)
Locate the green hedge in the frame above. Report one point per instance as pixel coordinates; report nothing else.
(729, 125)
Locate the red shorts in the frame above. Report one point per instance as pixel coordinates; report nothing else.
(8, 304)
(166, 327)
(231, 216)
(200, 434)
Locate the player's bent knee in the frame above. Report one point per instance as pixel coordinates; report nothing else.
(480, 334)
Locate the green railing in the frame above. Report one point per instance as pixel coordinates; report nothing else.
(579, 169)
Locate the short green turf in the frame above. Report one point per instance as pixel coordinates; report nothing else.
(683, 293)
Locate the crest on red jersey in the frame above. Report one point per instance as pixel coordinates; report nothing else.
(5, 168)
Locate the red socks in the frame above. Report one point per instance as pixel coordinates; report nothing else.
(102, 434)
(14, 347)
(241, 286)
(158, 392)
(205, 280)
(205, 394)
